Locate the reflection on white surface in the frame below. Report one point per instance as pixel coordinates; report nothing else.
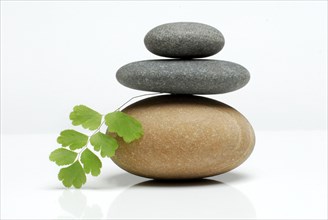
(198, 199)
(285, 178)
(75, 205)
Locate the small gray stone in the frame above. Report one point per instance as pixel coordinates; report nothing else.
(184, 40)
(199, 76)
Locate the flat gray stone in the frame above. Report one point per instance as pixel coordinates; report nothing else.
(199, 76)
(184, 40)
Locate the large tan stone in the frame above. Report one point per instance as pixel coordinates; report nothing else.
(185, 137)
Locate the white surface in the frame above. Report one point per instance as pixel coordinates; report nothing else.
(285, 177)
(57, 54)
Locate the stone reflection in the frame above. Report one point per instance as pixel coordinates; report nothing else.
(199, 199)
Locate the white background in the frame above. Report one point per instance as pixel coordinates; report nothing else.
(57, 54)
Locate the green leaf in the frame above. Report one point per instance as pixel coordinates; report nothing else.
(73, 139)
(85, 116)
(72, 175)
(91, 163)
(104, 143)
(62, 156)
(124, 125)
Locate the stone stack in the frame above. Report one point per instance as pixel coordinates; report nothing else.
(185, 136)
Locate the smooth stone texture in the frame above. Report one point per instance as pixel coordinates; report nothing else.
(184, 40)
(185, 137)
(184, 76)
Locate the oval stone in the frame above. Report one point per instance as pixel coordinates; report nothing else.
(184, 40)
(185, 137)
(198, 76)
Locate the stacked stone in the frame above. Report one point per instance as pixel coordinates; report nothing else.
(185, 136)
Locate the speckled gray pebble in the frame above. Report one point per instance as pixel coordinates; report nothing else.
(199, 76)
(184, 40)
